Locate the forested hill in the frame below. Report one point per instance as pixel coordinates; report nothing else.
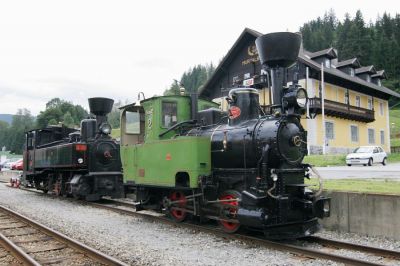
(376, 43)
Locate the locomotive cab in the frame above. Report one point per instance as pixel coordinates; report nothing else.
(132, 124)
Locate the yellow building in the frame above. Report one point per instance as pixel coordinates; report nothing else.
(352, 97)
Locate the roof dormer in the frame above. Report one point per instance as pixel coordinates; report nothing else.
(324, 56)
(348, 66)
(377, 78)
(365, 72)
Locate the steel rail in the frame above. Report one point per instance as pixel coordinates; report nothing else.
(17, 252)
(341, 244)
(90, 252)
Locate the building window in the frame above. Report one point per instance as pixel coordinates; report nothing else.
(370, 103)
(382, 137)
(354, 133)
(379, 82)
(371, 136)
(329, 130)
(358, 101)
(327, 63)
(346, 97)
(381, 112)
(352, 72)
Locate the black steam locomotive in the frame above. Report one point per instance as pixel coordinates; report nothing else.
(84, 164)
(257, 156)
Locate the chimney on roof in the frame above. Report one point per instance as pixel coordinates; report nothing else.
(334, 61)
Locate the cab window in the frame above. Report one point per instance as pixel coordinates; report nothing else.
(169, 114)
(30, 140)
(132, 125)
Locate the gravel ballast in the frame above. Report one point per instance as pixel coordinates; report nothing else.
(142, 242)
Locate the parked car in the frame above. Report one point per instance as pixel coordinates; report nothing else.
(18, 165)
(9, 164)
(367, 155)
(2, 164)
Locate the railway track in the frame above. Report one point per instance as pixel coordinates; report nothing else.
(282, 246)
(386, 255)
(24, 241)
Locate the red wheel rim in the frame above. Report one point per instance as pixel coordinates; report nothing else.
(57, 189)
(178, 215)
(228, 226)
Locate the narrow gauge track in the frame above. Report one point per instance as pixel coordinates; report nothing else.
(31, 243)
(128, 209)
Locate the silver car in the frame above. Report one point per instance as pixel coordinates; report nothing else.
(367, 155)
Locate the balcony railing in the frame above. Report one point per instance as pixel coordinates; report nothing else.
(342, 110)
(336, 109)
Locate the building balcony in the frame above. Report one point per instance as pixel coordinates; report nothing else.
(342, 110)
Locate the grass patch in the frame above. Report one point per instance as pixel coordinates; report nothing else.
(9, 155)
(359, 185)
(394, 157)
(325, 160)
(395, 142)
(394, 123)
(394, 117)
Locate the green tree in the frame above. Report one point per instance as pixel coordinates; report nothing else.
(22, 122)
(68, 120)
(56, 109)
(114, 116)
(53, 122)
(4, 130)
(191, 79)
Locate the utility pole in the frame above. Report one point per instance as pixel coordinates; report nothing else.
(323, 109)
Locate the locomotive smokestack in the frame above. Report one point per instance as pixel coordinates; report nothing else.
(100, 107)
(277, 51)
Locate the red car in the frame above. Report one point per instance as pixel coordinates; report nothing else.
(18, 165)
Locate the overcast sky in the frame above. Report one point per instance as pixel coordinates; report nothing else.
(80, 49)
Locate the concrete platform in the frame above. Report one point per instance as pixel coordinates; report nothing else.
(367, 214)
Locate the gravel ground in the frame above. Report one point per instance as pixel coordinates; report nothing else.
(378, 242)
(384, 243)
(140, 242)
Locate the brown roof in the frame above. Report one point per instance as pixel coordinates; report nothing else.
(349, 62)
(380, 74)
(366, 69)
(342, 75)
(330, 52)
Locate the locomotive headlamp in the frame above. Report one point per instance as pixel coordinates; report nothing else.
(105, 128)
(295, 97)
(301, 98)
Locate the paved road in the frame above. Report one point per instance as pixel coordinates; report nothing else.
(390, 171)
